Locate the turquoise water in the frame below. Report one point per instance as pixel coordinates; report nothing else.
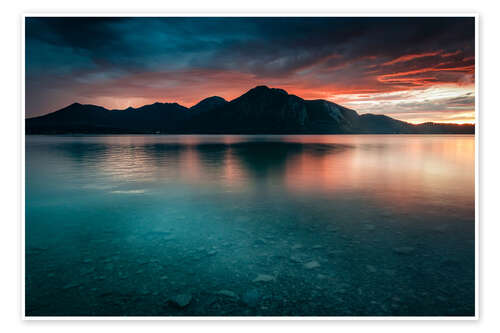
(331, 225)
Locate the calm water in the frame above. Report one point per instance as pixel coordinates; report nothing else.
(250, 225)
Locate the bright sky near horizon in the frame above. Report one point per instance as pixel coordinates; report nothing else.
(413, 69)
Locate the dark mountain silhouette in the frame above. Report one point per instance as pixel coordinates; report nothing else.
(260, 110)
(78, 118)
(208, 104)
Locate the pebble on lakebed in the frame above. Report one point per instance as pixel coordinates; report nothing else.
(263, 278)
(251, 297)
(404, 250)
(71, 285)
(228, 293)
(311, 264)
(181, 300)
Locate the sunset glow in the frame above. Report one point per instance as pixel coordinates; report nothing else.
(412, 69)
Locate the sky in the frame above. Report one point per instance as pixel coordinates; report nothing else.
(413, 69)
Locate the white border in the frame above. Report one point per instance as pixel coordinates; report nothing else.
(246, 14)
(22, 66)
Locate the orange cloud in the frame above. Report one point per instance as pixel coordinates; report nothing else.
(409, 57)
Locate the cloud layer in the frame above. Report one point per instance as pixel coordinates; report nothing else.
(416, 69)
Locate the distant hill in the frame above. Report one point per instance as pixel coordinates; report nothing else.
(208, 104)
(260, 110)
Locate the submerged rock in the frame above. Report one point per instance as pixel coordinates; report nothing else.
(227, 293)
(312, 264)
(181, 300)
(251, 297)
(259, 241)
(71, 285)
(404, 250)
(263, 278)
(296, 259)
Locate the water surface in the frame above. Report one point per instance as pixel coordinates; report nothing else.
(335, 225)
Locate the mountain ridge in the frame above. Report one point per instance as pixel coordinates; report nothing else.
(260, 110)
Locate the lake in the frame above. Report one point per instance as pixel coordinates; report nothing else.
(228, 225)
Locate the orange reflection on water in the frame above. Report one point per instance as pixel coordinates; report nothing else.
(397, 171)
(188, 159)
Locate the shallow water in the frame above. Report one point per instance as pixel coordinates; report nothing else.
(332, 225)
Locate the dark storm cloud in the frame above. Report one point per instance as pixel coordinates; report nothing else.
(67, 57)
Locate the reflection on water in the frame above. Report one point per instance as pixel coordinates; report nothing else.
(250, 225)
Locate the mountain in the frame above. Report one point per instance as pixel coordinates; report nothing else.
(78, 118)
(208, 104)
(268, 110)
(260, 110)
